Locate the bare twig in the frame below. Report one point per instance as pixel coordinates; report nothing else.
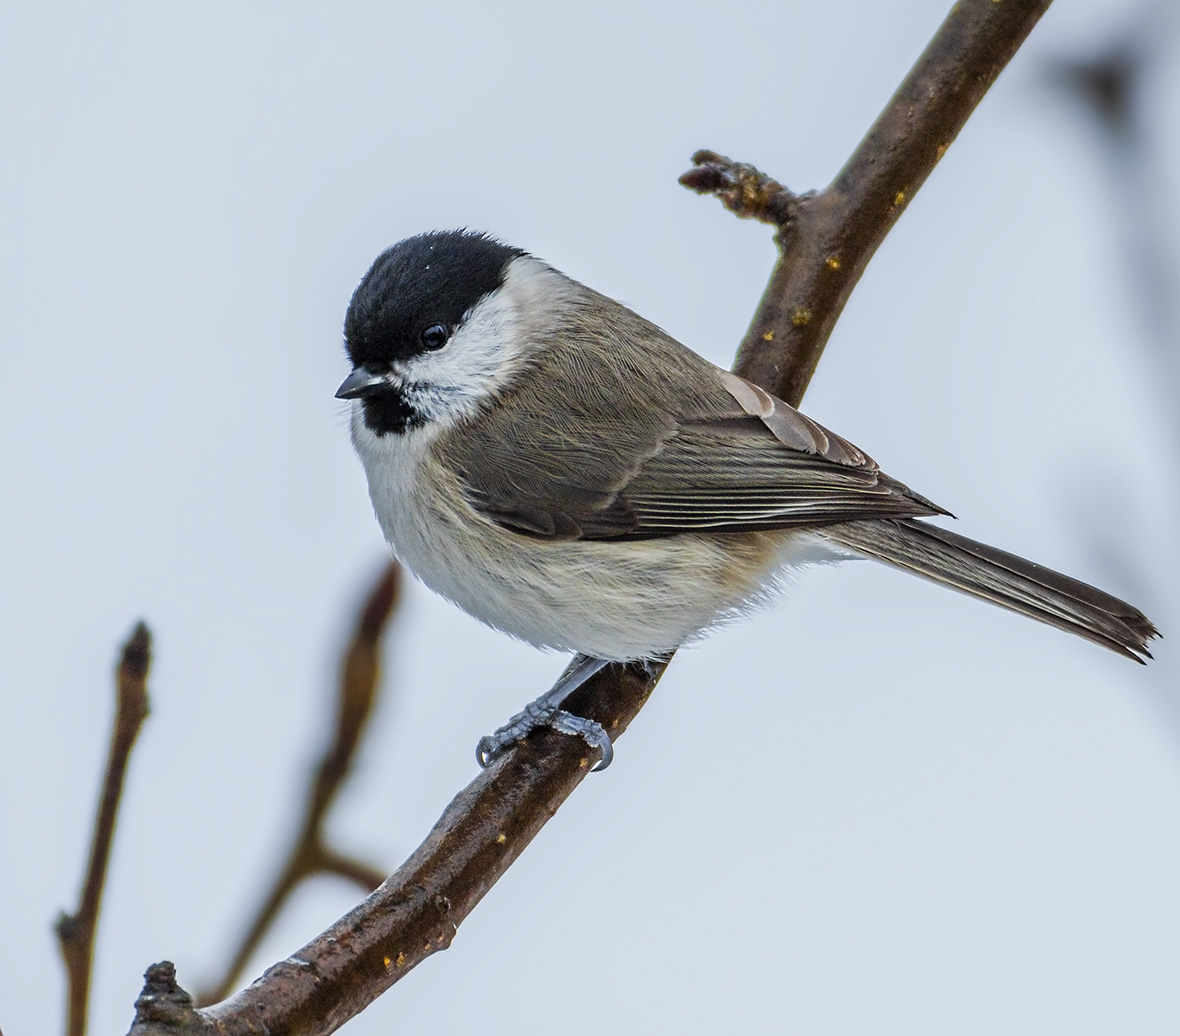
(828, 242)
(744, 190)
(75, 932)
(359, 683)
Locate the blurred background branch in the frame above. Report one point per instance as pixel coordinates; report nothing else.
(310, 855)
(76, 931)
(1109, 85)
(417, 910)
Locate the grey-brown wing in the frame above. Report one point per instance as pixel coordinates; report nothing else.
(730, 475)
(734, 459)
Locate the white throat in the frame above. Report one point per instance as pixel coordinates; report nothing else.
(481, 356)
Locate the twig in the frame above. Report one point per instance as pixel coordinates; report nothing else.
(76, 931)
(418, 909)
(359, 683)
(744, 190)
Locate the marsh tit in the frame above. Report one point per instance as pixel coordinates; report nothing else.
(566, 472)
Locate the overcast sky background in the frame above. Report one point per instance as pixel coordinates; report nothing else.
(879, 807)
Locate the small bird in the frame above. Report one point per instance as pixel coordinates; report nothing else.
(564, 471)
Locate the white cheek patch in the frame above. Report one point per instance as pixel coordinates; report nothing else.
(473, 365)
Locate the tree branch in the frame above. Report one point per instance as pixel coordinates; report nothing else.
(827, 239)
(359, 683)
(76, 931)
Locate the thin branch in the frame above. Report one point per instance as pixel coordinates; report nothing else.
(359, 873)
(826, 245)
(744, 190)
(76, 931)
(359, 684)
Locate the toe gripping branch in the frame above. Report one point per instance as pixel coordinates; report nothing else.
(546, 711)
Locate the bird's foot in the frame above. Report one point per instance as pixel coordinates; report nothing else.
(546, 711)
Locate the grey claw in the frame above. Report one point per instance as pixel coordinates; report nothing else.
(589, 731)
(486, 751)
(516, 729)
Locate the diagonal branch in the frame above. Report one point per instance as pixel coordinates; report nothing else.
(309, 855)
(827, 239)
(76, 931)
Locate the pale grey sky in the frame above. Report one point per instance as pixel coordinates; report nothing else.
(986, 841)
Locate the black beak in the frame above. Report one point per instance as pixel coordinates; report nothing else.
(362, 383)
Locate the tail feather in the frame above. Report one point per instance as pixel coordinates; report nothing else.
(1001, 578)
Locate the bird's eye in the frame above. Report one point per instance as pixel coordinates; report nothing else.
(434, 337)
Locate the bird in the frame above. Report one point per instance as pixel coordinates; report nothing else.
(566, 472)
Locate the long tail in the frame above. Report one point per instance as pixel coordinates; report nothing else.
(1002, 578)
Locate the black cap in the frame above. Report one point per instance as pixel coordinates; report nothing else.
(421, 284)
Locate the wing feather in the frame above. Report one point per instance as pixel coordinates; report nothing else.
(699, 449)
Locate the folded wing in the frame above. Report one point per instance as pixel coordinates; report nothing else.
(728, 459)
